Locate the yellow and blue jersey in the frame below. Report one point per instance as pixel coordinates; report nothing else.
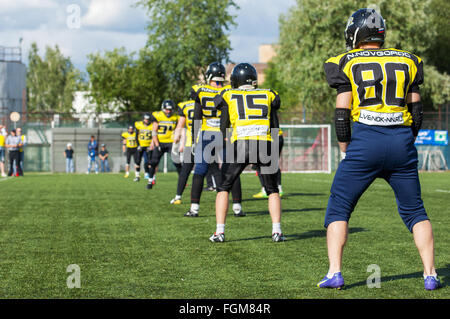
(186, 109)
(250, 112)
(144, 133)
(379, 80)
(131, 139)
(203, 95)
(166, 126)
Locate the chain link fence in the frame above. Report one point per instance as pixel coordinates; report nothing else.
(41, 155)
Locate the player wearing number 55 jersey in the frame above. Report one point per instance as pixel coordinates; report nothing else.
(251, 114)
(378, 89)
(207, 139)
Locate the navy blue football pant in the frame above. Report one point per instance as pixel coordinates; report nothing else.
(376, 151)
(210, 149)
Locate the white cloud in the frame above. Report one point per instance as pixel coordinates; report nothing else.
(107, 14)
(108, 24)
(17, 5)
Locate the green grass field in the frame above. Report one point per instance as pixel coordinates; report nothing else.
(131, 243)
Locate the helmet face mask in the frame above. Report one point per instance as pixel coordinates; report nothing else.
(244, 74)
(363, 26)
(215, 72)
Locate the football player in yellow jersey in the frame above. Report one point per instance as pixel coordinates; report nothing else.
(23, 143)
(379, 90)
(207, 138)
(130, 149)
(252, 115)
(3, 135)
(164, 125)
(144, 133)
(183, 135)
(262, 193)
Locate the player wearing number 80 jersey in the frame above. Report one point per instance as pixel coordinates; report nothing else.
(379, 80)
(379, 90)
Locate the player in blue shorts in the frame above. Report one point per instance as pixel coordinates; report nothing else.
(378, 89)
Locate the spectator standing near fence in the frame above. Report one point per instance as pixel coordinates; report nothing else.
(13, 145)
(23, 142)
(92, 155)
(104, 154)
(68, 154)
(3, 135)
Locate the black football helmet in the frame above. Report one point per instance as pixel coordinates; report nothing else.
(168, 105)
(215, 72)
(244, 74)
(364, 25)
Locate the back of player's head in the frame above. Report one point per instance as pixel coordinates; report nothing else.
(244, 74)
(364, 26)
(215, 72)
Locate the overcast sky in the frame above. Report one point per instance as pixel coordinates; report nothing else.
(107, 24)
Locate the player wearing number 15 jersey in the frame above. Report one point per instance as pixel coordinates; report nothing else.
(251, 114)
(378, 89)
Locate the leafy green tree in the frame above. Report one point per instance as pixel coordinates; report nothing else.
(121, 82)
(51, 81)
(312, 31)
(439, 48)
(185, 36)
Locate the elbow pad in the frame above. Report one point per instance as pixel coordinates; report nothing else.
(342, 124)
(416, 110)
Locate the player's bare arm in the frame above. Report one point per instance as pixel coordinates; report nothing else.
(155, 140)
(179, 129)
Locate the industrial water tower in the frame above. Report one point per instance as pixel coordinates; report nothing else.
(12, 85)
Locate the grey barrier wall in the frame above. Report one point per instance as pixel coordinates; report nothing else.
(79, 138)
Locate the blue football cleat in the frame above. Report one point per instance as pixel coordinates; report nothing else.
(432, 283)
(336, 282)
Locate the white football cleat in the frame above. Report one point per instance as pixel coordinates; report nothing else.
(217, 238)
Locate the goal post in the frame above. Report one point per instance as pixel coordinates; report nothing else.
(307, 148)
